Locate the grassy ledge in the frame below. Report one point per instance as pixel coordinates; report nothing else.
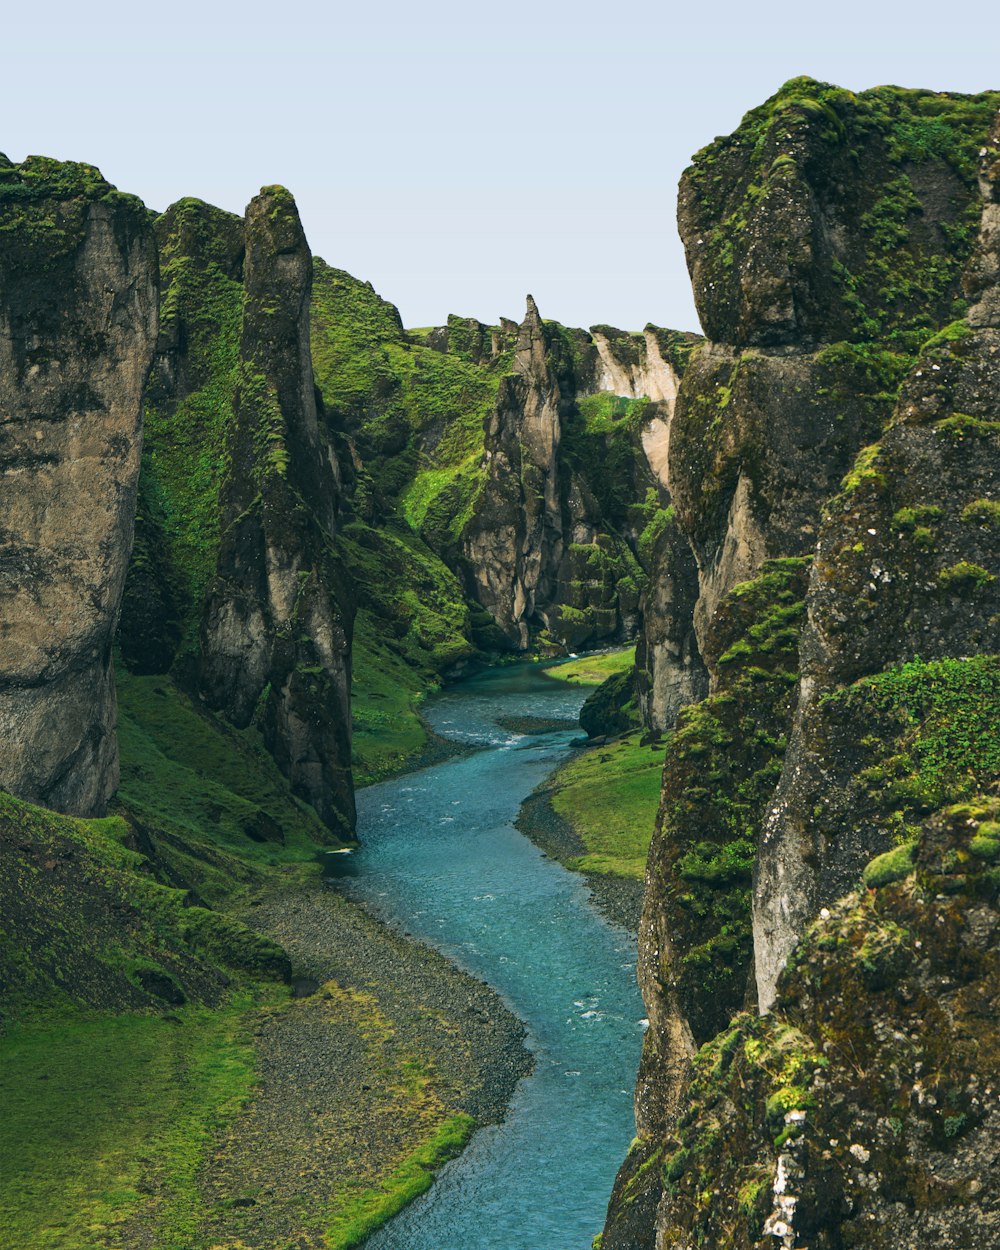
(592, 670)
(610, 795)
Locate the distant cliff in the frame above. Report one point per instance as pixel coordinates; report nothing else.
(78, 323)
(504, 486)
(833, 565)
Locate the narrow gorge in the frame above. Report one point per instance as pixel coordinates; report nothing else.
(300, 609)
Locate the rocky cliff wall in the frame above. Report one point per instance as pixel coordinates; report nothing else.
(574, 474)
(277, 624)
(833, 473)
(907, 569)
(78, 322)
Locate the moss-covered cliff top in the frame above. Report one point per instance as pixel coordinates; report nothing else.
(43, 205)
(832, 215)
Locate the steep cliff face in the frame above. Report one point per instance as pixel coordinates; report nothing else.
(188, 412)
(514, 543)
(277, 624)
(574, 469)
(833, 469)
(825, 238)
(906, 571)
(78, 318)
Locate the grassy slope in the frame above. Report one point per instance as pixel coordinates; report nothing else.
(388, 393)
(592, 670)
(610, 796)
(103, 1111)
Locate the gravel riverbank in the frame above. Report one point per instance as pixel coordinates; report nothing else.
(383, 1044)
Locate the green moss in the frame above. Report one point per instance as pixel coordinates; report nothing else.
(893, 866)
(964, 576)
(986, 842)
(960, 426)
(984, 512)
(44, 208)
(911, 518)
(930, 736)
(184, 453)
(896, 279)
(865, 470)
(191, 774)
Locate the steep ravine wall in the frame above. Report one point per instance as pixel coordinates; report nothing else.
(552, 548)
(78, 323)
(235, 587)
(833, 469)
(277, 623)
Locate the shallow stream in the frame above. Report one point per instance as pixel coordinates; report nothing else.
(442, 860)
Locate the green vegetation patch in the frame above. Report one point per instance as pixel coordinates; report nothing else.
(594, 669)
(361, 1213)
(212, 795)
(102, 1112)
(930, 736)
(610, 795)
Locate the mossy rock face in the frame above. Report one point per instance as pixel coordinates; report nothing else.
(865, 1088)
(829, 215)
(611, 708)
(721, 766)
(188, 416)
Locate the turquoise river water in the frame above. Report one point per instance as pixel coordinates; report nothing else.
(441, 859)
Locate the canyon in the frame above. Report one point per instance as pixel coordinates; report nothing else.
(250, 521)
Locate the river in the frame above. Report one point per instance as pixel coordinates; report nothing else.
(441, 859)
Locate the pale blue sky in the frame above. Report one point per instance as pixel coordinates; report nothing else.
(457, 155)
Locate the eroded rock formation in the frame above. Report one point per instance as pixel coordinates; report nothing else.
(78, 319)
(277, 624)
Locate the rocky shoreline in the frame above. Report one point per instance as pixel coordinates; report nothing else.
(368, 1001)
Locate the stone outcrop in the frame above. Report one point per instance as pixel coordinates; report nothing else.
(514, 544)
(833, 474)
(78, 319)
(862, 1110)
(277, 624)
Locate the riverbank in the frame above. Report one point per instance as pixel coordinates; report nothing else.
(595, 815)
(376, 1073)
(163, 1084)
